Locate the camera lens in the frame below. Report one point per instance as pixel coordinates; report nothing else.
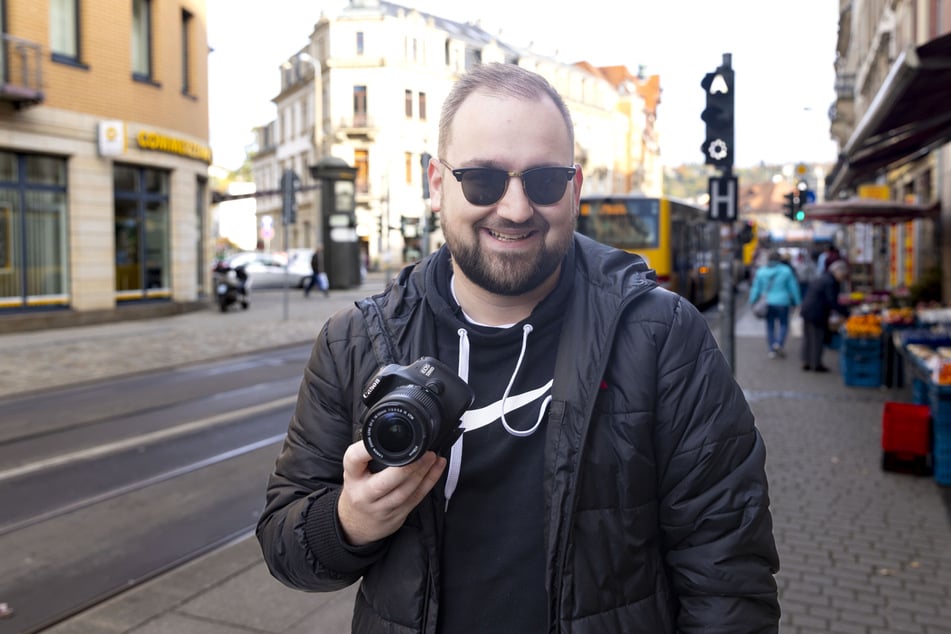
(394, 432)
(401, 426)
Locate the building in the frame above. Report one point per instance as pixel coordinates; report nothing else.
(368, 89)
(893, 126)
(104, 159)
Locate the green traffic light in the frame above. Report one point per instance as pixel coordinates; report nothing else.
(800, 215)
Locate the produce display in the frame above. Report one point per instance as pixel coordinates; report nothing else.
(863, 326)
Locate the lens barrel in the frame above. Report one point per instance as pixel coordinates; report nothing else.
(401, 426)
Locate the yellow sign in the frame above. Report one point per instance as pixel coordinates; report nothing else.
(162, 143)
(875, 192)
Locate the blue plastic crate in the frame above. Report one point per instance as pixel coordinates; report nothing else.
(862, 344)
(861, 374)
(941, 459)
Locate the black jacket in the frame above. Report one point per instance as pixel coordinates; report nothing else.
(822, 297)
(656, 494)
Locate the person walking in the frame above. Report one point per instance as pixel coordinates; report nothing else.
(777, 282)
(822, 298)
(609, 476)
(315, 278)
(805, 269)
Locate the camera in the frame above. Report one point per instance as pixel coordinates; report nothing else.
(413, 409)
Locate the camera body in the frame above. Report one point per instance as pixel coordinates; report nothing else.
(413, 409)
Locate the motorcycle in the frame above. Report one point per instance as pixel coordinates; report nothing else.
(232, 286)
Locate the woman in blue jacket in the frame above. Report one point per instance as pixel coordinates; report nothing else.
(777, 281)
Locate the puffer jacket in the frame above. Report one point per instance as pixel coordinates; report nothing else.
(656, 496)
(778, 282)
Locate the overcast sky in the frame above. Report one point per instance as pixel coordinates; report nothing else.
(782, 55)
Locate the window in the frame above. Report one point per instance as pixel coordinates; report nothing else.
(422, 106)
(33, 242)
(408, 103)
(186, 53)
(142, 39)
(408, 167)
(359, 105)
(359, 42)
(64, 30)
(361, 161)
(141, 232)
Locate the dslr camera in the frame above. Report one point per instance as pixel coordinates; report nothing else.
(412, 409)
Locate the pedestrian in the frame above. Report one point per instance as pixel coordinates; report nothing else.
(822, 299)
(827, 257)
(777, 283)
(805, 271)
(315, 277)
(609, 477)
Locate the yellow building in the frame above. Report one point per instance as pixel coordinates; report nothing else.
(103, 158)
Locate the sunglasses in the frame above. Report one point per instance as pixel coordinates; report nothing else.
(484, 186)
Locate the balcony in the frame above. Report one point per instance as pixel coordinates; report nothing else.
(20, 71)
(359, 126)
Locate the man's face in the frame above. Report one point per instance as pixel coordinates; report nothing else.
(514, 245)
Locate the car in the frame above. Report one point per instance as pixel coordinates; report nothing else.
(266, 269)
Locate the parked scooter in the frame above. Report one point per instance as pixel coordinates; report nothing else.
(232, 286)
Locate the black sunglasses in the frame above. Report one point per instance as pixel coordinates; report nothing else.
(484, 186)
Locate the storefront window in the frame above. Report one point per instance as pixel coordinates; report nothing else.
(33, 243)
(141, 233)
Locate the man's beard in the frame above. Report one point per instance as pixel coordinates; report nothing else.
(509, 274)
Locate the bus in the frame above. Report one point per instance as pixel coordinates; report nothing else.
(678, 240)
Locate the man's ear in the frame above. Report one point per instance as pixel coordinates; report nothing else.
(434, 174)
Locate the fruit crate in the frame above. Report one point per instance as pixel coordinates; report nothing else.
(860, 368)
(906, 438)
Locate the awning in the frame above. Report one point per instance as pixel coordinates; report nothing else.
(869, 210)
(908, 118)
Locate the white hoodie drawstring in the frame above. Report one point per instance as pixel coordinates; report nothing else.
(455, 454)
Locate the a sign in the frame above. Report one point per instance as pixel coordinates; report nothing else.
(111, 138)
(722, 191)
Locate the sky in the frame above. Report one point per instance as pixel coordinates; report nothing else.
(782, 55)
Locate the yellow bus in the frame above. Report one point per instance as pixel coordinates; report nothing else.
(678, 240)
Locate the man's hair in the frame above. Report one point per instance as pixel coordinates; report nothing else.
(507, 80)
(839, 266)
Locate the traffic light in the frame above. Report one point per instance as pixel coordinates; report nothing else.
(717, 148)
(792, 204)
(803, 195)
(289, 183)
(745, 235)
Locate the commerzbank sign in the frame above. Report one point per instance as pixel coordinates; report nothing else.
(112, 142)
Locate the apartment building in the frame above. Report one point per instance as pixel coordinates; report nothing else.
(368, 89)
(104, 158)
(893, 126)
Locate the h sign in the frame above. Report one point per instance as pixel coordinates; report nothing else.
(722, 192)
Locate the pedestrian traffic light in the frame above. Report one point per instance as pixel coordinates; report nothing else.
(717, 147)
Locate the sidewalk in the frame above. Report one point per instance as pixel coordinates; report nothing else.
(862, 551)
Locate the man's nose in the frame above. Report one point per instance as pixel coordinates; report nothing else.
(515, 205)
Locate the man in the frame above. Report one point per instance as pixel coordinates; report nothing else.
(315, 278)
(610, 477)
(822, 298)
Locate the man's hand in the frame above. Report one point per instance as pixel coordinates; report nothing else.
(374, 505)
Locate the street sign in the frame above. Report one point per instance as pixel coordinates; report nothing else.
(722, 191)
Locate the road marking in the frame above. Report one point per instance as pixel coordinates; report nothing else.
(135, 441)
